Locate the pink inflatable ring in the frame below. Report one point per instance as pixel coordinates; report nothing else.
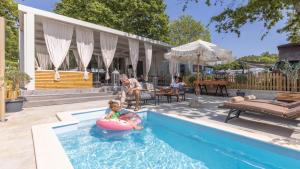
(109, 124)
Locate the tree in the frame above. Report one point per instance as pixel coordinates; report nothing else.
(290, 70)
(9, 10)
(270, 12)
(142, 17)
(185, 29)
(238, 64)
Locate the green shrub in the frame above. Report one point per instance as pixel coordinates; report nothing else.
(241, 78)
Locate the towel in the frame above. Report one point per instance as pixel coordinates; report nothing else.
(250, 97)
(237, 99)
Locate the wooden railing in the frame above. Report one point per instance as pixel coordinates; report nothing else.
(262, 81)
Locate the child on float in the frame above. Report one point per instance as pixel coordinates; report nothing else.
(115, 114)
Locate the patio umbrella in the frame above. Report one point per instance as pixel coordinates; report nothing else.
(200, 52)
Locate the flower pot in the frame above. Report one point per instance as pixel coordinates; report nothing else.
(14, 105)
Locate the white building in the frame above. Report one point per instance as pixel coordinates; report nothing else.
(47, 39)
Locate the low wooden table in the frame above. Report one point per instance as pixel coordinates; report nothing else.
(221, 85)
(165, 91)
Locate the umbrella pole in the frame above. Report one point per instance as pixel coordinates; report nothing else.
(195, 102)
(197, 87)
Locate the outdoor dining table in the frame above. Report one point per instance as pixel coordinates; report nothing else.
(220, 86)
(165, 92)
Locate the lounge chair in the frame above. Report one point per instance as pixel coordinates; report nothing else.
(291, 111)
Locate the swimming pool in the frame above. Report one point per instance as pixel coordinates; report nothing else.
(167, 142)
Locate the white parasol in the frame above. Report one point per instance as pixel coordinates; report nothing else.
(200, 52)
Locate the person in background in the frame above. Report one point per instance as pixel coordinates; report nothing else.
(141, 79)
(174, 83)
(177, 85)
(130, 88)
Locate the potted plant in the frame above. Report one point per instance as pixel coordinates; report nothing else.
(191, 80)
(14, 79)
(240, 79)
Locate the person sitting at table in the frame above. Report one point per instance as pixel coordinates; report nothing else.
(177, 86)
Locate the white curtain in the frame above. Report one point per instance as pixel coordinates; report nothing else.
(42, 57)
(108, 44)
(66, 63)
(58, 38)
(85, 47)
(148, 54)
(134, 54)
(173, 66)
(77, 59)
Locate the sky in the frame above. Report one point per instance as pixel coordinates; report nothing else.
(247, 44)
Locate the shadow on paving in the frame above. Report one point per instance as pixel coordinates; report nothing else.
(209, 110)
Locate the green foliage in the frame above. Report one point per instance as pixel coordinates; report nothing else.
(233, 65)
(240, 78)
(142, 17)
(237, 64)
(289, 69)
(14, 78)
(9, 10)
(191, 79)
(269, 12)
(185, 29)
(263, 58)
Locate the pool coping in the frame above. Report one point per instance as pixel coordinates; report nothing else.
(50, 154)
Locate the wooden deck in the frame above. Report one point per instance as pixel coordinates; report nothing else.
(68, 79)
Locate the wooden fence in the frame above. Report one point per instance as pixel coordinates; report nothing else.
(262, 81)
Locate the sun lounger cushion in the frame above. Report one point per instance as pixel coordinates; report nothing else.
(258, 107)
(293, 113)
(149, 86)
(237, 99)
(145, 96)
(279, 103)
(293, 104)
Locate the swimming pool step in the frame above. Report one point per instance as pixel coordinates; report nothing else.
(67, 99)
(42, 92)
(64, 96)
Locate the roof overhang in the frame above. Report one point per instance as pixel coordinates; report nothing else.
(61, 18)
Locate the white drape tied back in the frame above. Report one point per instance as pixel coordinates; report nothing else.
(148, 54)
(134, 54)
(77, 59)
(42, 57)
(108, 44)
(85, 47)
(58, 38)
(173, 68)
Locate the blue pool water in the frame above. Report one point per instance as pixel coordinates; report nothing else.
(171, 143)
